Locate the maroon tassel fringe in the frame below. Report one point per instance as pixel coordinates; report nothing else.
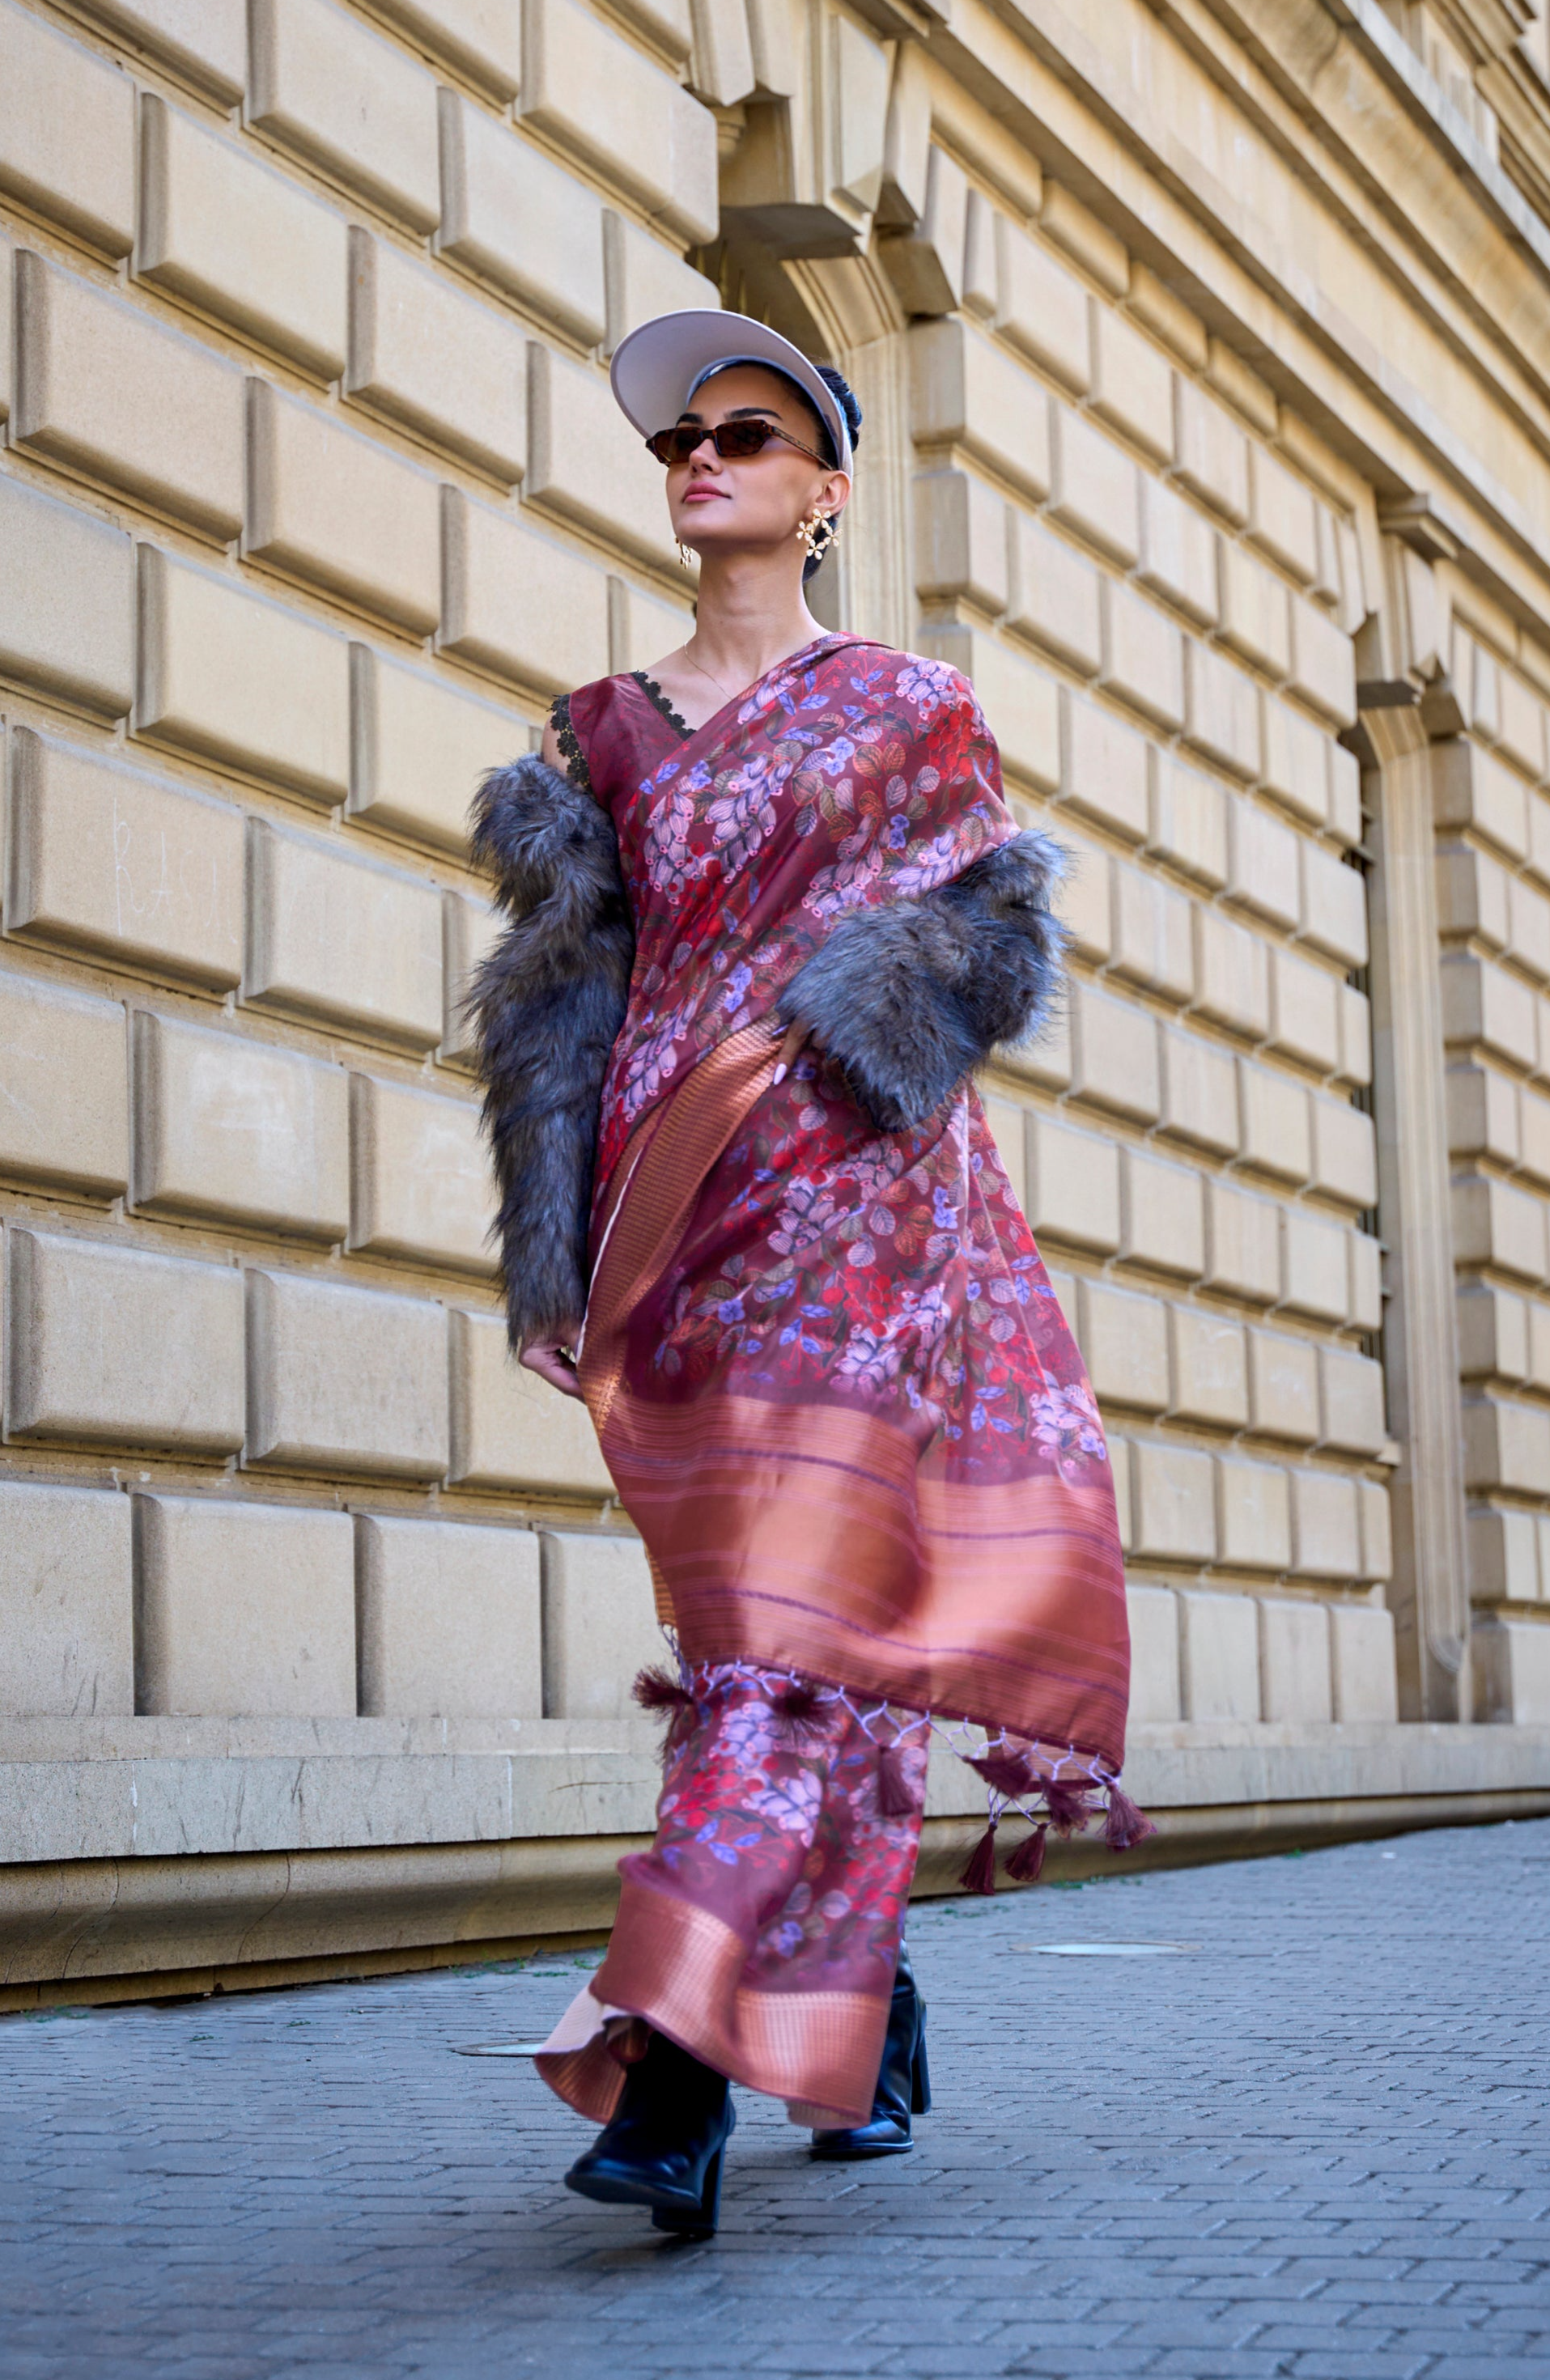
(1027, 1863)
(1069, 1809)
(1007, 1773)
(798, 1706)
(893, 1798)
(655, 1691)
(979, 1874)
(1124, 1824)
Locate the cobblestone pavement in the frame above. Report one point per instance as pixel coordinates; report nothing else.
(1314, 2141)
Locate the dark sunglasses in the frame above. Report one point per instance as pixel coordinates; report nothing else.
(733, 441)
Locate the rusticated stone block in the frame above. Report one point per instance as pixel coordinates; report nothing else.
(1164, 1223)
(64, 1112)
(1174, 1516)
(1132, 382)
(1483, 1003)
(1188, 819)
(1210, 1368)
(1304, 1011)
(517, 220)
(339, 96)
(343, 940)
(1282, 516)
(66, 601)
(1277, 1130)
(106, 390)
(966, 393)
(1152, 939)
(1263, 865)
(1495, 1223)
(1154, 1687)
(1085, 900)
(1200, 1093)
(1375, 1520)
(470, 930)
(1492, 1332)
(1125, 1345)
(642, 627)
(1221, 711)
(1314, 1276)
(67, 1603)
(1296, 768)
(1334, 906)
(239, 678)
(1219, 1651)
(1114, 1048)
(343, 1379)
(1211, 452)
(961, 538)
(516, 604)
(1178, 552)
(245, 1611)
(586, 464)
(642, 279)
(419, 748)
(1243, 1244)
(926, 263)
(483, 38)
(1253, 1514)
(421, 1185)
(1510, 1664)
(1283, 1386)
(450, 1620)
(1504, 1556)
(1103, 770)
(1326, 1540)
(1345, 1153)
(1232, 975)
(601, 98)
(1096, 488)
(228, 1127)
(1073, 1185)
(1042, 308)
(446, 367)
(600, 1626)
(510, 1429)
(1295, 1682)
(1364, 1676)
(340, 512)
(1144, 656)
(113, 1345)
(7, 342)
(107, 860)
(1351, 1415)
(1471, 788)
(206, 42)
(1322, 663)
(66, 133)
(1507, 1445)
(1356, 1035)
(1255, 614)
(1055, 594)
(239, 240)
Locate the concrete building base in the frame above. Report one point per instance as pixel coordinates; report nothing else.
(240, 1856)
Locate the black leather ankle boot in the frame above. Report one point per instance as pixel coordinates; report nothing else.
(663, 2148)
(903, 2080)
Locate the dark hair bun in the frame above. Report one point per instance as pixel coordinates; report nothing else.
(845, 397)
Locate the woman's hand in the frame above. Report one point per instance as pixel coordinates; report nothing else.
(554, 1360)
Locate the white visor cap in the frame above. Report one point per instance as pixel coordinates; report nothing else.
(656, 369)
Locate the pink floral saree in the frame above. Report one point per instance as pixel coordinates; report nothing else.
(829, 1378)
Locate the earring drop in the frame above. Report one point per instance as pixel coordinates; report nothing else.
(817, 532)
(685, 558)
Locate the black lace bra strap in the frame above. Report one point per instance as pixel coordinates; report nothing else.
(575, 759)
(654, 696)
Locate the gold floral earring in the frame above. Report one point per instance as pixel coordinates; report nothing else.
(686, 557)
(817, 532)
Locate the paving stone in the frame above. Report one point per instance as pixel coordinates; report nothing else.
(1276, 2157)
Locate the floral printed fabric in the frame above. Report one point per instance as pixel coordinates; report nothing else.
(774, 1823)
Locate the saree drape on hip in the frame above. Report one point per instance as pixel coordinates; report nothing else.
(827, 1371)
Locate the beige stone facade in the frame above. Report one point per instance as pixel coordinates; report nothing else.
(1203, 350)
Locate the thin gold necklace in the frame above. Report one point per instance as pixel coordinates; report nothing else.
(727, 694)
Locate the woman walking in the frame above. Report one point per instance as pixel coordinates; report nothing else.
(768, 910)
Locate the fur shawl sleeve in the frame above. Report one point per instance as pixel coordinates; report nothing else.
(547, 1004)
(908, 998)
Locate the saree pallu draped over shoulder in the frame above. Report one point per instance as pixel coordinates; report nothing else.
(827, 1370)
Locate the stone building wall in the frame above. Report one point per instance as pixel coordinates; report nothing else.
(1207, 385)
